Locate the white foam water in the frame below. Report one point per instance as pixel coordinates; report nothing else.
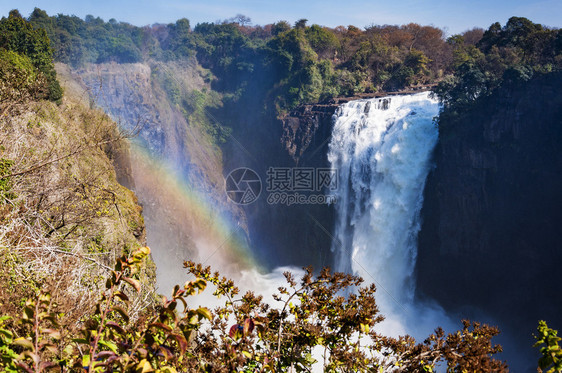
(382, 149)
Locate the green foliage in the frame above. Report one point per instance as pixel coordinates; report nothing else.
(504, 56)
(515, 33)
(301, 23)
(244, 334)
(8, 356)
(173, 90)
(280, 27)
(196, 105)
(39, 347)
(305, 64)
(18, 35)
(78, 41)
(306, 77)
(293, 65)
(547, 340)
(5, 181)
(463, 53)
(179, 41)
(16, 78)
(107, 345)
(323, 41)
(20, 81)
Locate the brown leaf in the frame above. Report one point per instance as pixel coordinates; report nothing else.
(25, 343)
(122, 312)
(160, 325)
(248, 326)
(116, 327)
(181, 341)
(134, 283)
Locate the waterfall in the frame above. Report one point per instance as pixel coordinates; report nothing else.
(381, 149)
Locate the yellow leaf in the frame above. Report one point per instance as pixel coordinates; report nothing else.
(204, 312)
(167, 369)
(25, 343)
(144, 366)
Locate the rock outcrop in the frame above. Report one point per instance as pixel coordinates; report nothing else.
(306, 128)
(491, 237)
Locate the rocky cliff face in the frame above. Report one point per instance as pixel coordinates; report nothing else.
(136, 95)
(491, 233)
(281, 233)
(306, 129)
(146, 98)
(176, 165)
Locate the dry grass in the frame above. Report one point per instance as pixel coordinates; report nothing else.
(65, 217)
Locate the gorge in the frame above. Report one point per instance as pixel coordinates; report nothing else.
(437, 161)
(268, 232)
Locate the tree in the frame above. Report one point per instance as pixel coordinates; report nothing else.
(301, 23)
(40, 19)
(473, 36)
(19, 81)
(322, 40)
(241, 19)
(244, 334)
(503, 56)
(179, 38)
(547, 340)
(280, 27)
(517, 29)
(490, 37)
(18, 35)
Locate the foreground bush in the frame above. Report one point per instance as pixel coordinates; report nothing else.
(244, 334)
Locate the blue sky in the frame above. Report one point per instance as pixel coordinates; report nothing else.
(452, 15)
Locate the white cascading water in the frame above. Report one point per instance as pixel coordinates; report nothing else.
(381, 148)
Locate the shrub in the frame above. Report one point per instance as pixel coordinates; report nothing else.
(244, 334)
(18, 35)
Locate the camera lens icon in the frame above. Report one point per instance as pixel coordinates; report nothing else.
(243, 186)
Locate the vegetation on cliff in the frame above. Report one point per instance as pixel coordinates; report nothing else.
(63, 215)
(293, 65)
(27, 52)
(504, 56)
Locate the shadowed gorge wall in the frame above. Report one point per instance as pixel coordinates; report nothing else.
(491, 218)
(298, 234)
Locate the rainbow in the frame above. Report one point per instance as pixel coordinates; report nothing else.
(184, 217)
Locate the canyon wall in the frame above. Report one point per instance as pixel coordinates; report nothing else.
(491, 237)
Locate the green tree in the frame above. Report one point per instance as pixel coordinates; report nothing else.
(322, 40)
(547, 341)
(280, 27)
(301, 23)
(18, 35)
(179, 40)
